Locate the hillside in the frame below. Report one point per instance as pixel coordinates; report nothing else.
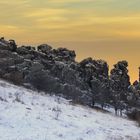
(27, 115)
(55, 70)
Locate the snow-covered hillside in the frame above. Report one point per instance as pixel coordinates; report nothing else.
(26, 115)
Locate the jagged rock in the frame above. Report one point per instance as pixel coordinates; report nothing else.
(55, 70)
(4, 44)
(4, 47)
(29, 48)
(24, 50)
(63, 54)
(74, 66)
(7, 45)
(44, 48)
(51, 70)
(48, 64)
(67, 75)
(12, 45)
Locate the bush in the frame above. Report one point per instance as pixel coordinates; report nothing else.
(134, 115)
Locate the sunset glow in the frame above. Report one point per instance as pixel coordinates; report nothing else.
(102, 29)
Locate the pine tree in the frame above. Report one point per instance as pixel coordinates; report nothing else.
(119, 83)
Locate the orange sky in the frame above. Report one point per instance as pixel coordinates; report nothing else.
(102, 29)
(108, 51)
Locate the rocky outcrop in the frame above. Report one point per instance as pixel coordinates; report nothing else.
(44, 48)
(55, 71)
(7, 45)
(51, 70)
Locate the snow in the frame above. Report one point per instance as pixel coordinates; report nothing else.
(29, 115)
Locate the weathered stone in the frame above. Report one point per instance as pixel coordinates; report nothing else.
(45, 48)
(7, 45)
(63, 54)
(12, 45)
(22, 50)
(52, 70)
(4, 45)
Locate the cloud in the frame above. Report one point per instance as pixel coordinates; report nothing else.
(70, 20)
(14, 2)
(41, 12)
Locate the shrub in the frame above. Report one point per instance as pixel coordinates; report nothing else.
(134, 115)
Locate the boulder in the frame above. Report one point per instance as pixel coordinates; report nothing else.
(12, 45)
(7, 45)
(22, 50)
(4, 47)
(63, 54)
(51, 70)
(4, 44)
(44, 48)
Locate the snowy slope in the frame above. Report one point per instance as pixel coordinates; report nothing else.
(26, 115)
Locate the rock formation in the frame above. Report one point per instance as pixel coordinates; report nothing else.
(55, 71)
(51, 70)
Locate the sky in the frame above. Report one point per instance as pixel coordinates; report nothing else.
(102, 29)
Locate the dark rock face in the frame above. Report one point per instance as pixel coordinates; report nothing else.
(55, 71)
(63, 54)
(51, 70)
(44, 48)
(8, 45)
(24, 50)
